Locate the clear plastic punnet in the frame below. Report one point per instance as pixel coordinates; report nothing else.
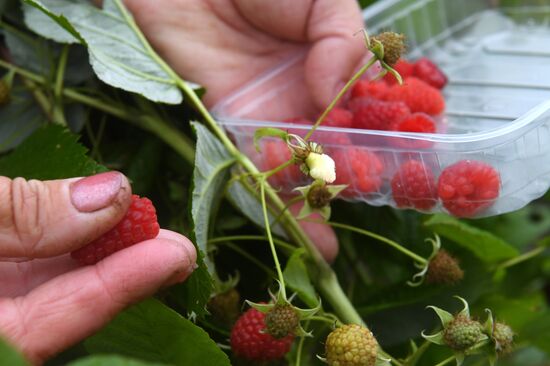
(497, 114)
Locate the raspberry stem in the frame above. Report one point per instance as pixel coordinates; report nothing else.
(340, 94)
(381, 238)
(282, 286)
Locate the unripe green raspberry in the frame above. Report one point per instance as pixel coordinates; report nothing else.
(351, 345)
(225, 306)
(281, 321)
(394, 46)
(462, 333)
(444, 269)
(319, 196)
(504, 338)
(4, 92)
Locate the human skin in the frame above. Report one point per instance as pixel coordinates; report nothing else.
(47, 301)
(220, 44)
(224, 44)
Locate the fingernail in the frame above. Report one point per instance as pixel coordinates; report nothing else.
(96, 192)
(184, 272)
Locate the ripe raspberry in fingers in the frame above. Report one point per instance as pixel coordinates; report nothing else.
(418, 96)
(426, 70)
(468, 187)
(139, 224)
(372, 114)
(413, 185)
(250, 340)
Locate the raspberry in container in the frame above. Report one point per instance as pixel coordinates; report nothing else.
(490, 151)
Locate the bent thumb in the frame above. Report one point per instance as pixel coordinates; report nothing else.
(47, 218)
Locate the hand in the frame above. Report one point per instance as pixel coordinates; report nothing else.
(48, 302)
(223, 44)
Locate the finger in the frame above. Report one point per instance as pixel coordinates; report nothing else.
(72, 306)
(45, 219)
(335, 51)
(322, 235)
(285, 19)
(17, 279)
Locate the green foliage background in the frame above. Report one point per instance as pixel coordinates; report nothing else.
(144, 141)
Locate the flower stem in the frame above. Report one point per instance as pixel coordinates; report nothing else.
(383, 239)
(446, 361)
(340, 95)
(521, 258)
(221, 239)
(58, 113)
(270, 239)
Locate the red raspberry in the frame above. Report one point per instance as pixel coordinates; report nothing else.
(416, 122)
(367, 88)
(372, 114)
(468, 187)
(338, 117)
(250, 341)
(414, 186)
(275, 153)
(359, 168)
(426, 70)
(404, 68)
(418, 96)
(139, 224)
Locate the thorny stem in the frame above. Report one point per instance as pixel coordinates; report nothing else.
(58, 113)
(521, 258)
(250, 257)
(170, 135)
(446, 361)
(325, 276)
(222, 239)
(275, 170)
(271, 243)
(301, 347)
(381, 238)
(340, 95)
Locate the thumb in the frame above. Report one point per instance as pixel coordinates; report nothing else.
(335, 53)
(47, 218)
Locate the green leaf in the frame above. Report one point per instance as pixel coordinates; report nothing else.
(212, 163)
(268, 131)
(19, 118)
(9, 356)
(195, 292)
(119, 53)
(297, 278)
(114, 360)
(483, 244)
(245, 201)
(52, 152)
(34, 11)
(536, 331)
(153, 332)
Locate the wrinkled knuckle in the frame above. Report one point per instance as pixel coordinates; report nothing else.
(27, 212)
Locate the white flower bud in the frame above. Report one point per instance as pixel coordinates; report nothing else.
(321, 166)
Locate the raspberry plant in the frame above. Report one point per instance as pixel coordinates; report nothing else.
(249, 240)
